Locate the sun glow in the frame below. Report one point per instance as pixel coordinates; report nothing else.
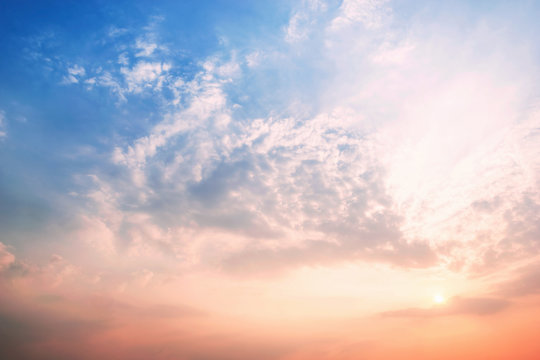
(438, 299)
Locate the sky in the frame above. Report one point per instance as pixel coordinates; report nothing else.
(270, 180)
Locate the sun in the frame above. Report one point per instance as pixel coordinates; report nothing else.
(438, 299)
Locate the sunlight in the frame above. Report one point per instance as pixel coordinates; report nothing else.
(438, 299)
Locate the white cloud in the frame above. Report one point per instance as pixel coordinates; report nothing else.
(370, 13)
(393, 55)
(146, 48)
(133, 75)
(123, 59)
(303, 20)
(75, 73)
(115, 32)
(145, 75)
(253, 59)
(207, 100)
(296, 30)
(106, 79)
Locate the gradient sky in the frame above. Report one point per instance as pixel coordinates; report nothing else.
(269, 180)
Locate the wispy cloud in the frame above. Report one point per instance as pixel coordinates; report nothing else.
(6, 258)
(74, 74)
(456, 306)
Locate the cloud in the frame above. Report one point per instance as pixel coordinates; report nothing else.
(456, 306)
(145, 75)
(115, 31)
(255, 262)
(140, 65)
(304, 20)
(369, 13)
(206, 100)
(75, 73)
(516, 234)
(313, 188)
(523, 224)
(6, 258)
(146, 48)
(312, 184)
(525, 281)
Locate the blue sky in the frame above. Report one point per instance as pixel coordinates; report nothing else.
(261, 153)
(91, 91)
